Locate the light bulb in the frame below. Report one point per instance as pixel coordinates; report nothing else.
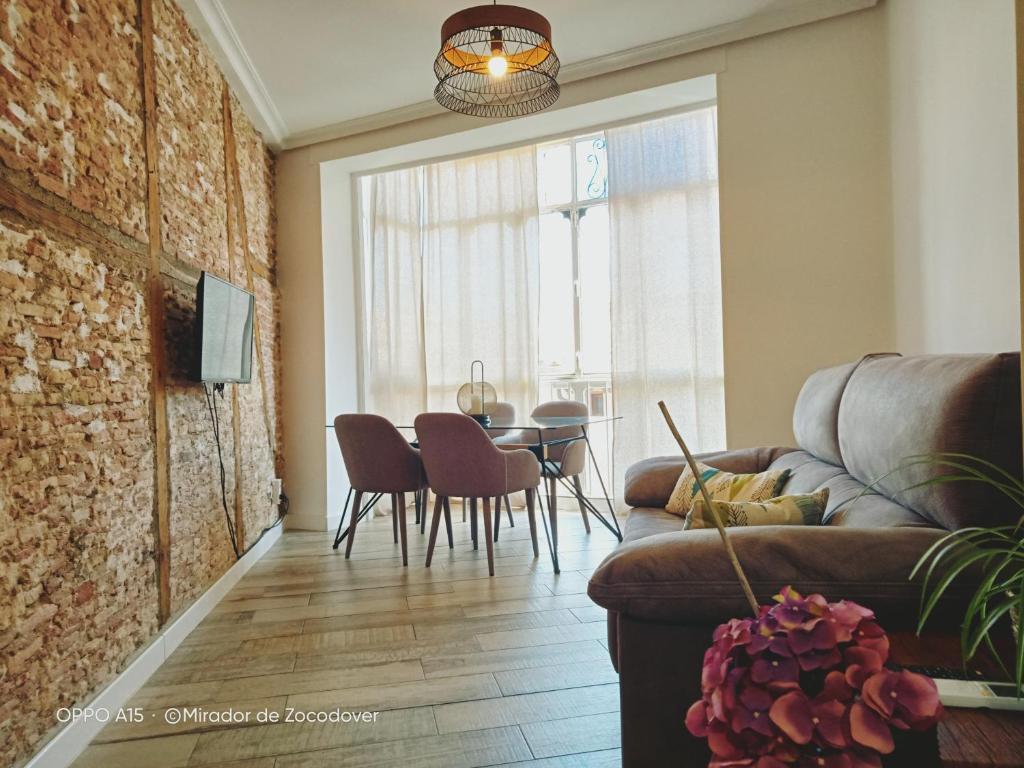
(497, 65)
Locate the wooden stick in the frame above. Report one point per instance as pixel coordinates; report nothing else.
(155, 305)
(711, 508)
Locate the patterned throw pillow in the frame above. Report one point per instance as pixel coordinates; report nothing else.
(803, 509)
(724, 486)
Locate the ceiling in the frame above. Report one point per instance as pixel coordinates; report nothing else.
(324, 67)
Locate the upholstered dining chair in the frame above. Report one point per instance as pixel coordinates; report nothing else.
(502, 415)
(568, 459)
(503, 418)
(461, 460)
(378, 461)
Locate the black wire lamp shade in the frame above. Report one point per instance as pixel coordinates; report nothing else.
(496, 61)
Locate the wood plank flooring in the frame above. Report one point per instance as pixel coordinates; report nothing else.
(461, 670)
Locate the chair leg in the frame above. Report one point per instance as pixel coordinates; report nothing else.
(497, 516)
(401, 528)
(425, 505)
(394, 516)
(531, 500)
(583, 508)
(472, 522)
(438, 505)
(508, 511)
(487, 535)
(465, 509)
(553, 511)
(341, 523)
(356, 506)
(416, 505)
(448, 522)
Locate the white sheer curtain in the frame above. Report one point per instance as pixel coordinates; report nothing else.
(450, 275)
(392, 297)
(666, 285)
(481, 275)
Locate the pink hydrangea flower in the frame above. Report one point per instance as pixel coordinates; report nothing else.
(805, 684)
(905, 699)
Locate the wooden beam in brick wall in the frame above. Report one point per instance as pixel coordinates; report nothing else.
(260, 270)
(155, 306)
(122, 251)
(236, 415)
(20, 195)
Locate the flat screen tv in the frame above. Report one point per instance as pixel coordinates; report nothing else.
(224, 319)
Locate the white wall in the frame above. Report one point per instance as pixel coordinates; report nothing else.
(806, 249)
(954, 174)
(303, 380)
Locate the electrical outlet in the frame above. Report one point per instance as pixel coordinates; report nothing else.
(275, 489)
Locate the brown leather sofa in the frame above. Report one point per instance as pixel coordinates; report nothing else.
(666, 589)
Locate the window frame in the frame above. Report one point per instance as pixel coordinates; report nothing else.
(574, 210)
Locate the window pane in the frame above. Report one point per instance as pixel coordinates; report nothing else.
(595, 295)
(557, 328)
(554, 174)
(591, 169)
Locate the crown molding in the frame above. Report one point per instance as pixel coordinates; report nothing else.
(806, 12)
(211, 19)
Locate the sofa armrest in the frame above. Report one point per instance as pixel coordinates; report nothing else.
(685, 577)
(649, 483)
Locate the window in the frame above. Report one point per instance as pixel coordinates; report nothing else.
(509, 257)
(575, 324)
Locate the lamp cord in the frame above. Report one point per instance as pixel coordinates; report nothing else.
(211, 404)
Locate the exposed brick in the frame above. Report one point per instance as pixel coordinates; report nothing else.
(190, 128)
(72, 104)
(75, 556)
(78, 588)
(256, 172)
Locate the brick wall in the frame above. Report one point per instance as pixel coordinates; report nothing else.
(191, 134)
(79, 591)
(72, 112)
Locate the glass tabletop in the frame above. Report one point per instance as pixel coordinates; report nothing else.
(547, 422)
(539, 423)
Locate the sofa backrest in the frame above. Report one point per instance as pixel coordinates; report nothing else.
(870, 416)
(816, 414)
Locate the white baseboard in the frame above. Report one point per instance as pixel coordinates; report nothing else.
(296, 521)
(69, 742)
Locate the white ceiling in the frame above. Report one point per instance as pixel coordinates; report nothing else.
(307, 65)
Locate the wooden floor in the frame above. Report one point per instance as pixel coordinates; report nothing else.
(464, 670)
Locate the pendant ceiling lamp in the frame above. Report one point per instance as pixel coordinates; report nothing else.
(496, 61)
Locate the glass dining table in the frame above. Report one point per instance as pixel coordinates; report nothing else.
(540, 434)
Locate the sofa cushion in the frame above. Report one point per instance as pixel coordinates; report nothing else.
(897, 407)
(649, 483)
(685, 577)
(847, 506)
(816, 413)
(724, 486)
(649, 521)
(797, 509)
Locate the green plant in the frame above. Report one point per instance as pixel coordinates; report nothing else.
(992, 558)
